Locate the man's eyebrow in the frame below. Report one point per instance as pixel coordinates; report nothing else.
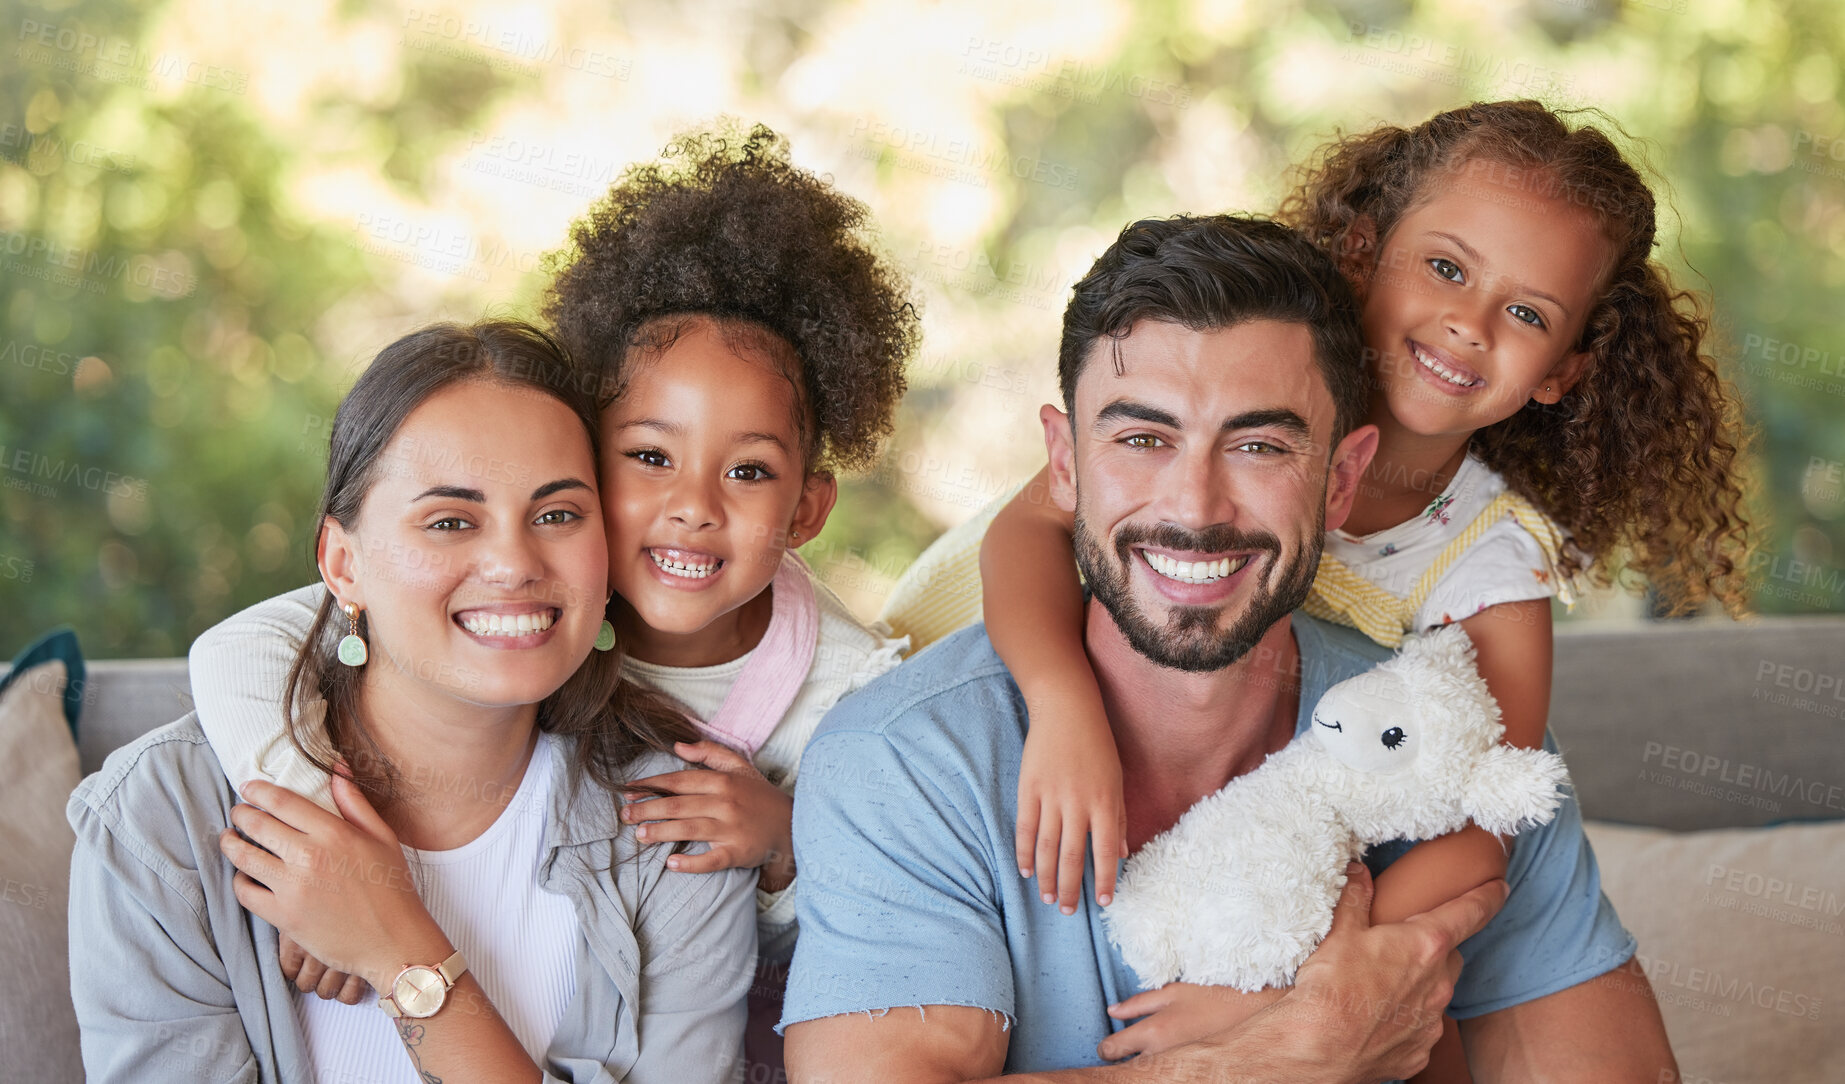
(558, 486)
(1269, 418)
(1135, 411)
(458, 493)
(1468, 251)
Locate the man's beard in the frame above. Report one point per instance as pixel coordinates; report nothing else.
(1190, 639)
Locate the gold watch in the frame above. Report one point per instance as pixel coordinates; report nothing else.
(419, 990)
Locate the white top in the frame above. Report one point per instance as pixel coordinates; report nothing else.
(519, 940)
(1505, 564)
(848, 655)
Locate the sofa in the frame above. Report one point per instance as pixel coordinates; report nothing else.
(1708, 757)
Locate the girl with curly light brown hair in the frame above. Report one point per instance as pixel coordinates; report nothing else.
(1630, 440)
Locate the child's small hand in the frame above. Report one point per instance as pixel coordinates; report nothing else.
(747, 820)
(1069, 792)
(310, 976)
(1177, 1013)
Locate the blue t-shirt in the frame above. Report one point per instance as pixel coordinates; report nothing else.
(911, 894)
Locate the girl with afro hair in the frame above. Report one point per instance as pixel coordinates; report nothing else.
(748, 339)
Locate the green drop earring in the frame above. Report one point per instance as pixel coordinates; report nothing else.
(352, 646)
(605, 636)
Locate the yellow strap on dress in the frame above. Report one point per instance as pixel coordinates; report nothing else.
(1341, 595)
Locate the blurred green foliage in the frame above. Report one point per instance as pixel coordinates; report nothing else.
(178, 316)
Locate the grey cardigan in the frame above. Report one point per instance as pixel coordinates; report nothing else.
(174, 981)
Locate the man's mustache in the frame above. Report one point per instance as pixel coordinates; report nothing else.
(1217, 538)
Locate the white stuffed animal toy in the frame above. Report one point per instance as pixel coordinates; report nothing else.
(1242, 888)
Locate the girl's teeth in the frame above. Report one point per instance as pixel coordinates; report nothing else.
(1193, 571)
(489, 624)
(1435, 367)
(692, 570)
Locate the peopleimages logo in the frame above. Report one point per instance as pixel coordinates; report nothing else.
(1697, 769)
(1672, 974)
(33, 466)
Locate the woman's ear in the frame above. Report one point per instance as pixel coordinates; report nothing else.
(818, 494)
(1562, 377)
(337, 554)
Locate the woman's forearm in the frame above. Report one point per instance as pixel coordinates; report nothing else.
(466, 1039)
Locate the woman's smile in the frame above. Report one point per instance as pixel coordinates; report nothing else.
(509, 625)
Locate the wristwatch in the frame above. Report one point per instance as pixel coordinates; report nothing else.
(419, 990)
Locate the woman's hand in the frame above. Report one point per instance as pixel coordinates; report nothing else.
(1070, 794)
(1178, 1013)
(341, 888)
(747, 820)
(310, 976)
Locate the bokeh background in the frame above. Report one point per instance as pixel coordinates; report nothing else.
(213, 213)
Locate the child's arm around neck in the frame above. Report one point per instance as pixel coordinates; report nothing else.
(239, 672)
(1070, 780)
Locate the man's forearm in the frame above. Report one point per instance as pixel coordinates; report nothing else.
(1269, 1048)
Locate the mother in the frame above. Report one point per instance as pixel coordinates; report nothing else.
(461, 519)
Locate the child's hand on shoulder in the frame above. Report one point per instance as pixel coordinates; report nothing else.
(747, 820)
(1070, 791)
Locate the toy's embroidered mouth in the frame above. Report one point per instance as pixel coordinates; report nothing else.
(1327, 725)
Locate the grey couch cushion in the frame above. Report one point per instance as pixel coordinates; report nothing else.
(1704, 725)
(125, 699)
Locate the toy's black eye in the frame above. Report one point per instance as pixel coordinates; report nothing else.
(1393, 737)
(1327, 725)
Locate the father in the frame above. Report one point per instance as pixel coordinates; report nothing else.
(1213, 385)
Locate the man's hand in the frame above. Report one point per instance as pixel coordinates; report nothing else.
(747, 820)
(1367, 1005)
(1177, 1013)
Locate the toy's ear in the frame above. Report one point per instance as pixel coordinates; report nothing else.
(1448, 649)
(1513, 789)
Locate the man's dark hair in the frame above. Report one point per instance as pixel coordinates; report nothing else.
(1216, 271)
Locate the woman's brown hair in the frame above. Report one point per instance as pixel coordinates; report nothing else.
(613, 721)
(1642, 457)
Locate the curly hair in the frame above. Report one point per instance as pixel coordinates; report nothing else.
(1642, 458)
(726, 227)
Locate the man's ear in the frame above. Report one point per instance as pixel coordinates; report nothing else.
(337, 553)
(1349, 459)
(818, 495)
(1562, 377)
(1357, 255)
(1060, 446)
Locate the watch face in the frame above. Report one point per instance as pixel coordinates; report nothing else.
(419, 991)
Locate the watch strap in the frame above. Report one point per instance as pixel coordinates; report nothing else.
(453, 968)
